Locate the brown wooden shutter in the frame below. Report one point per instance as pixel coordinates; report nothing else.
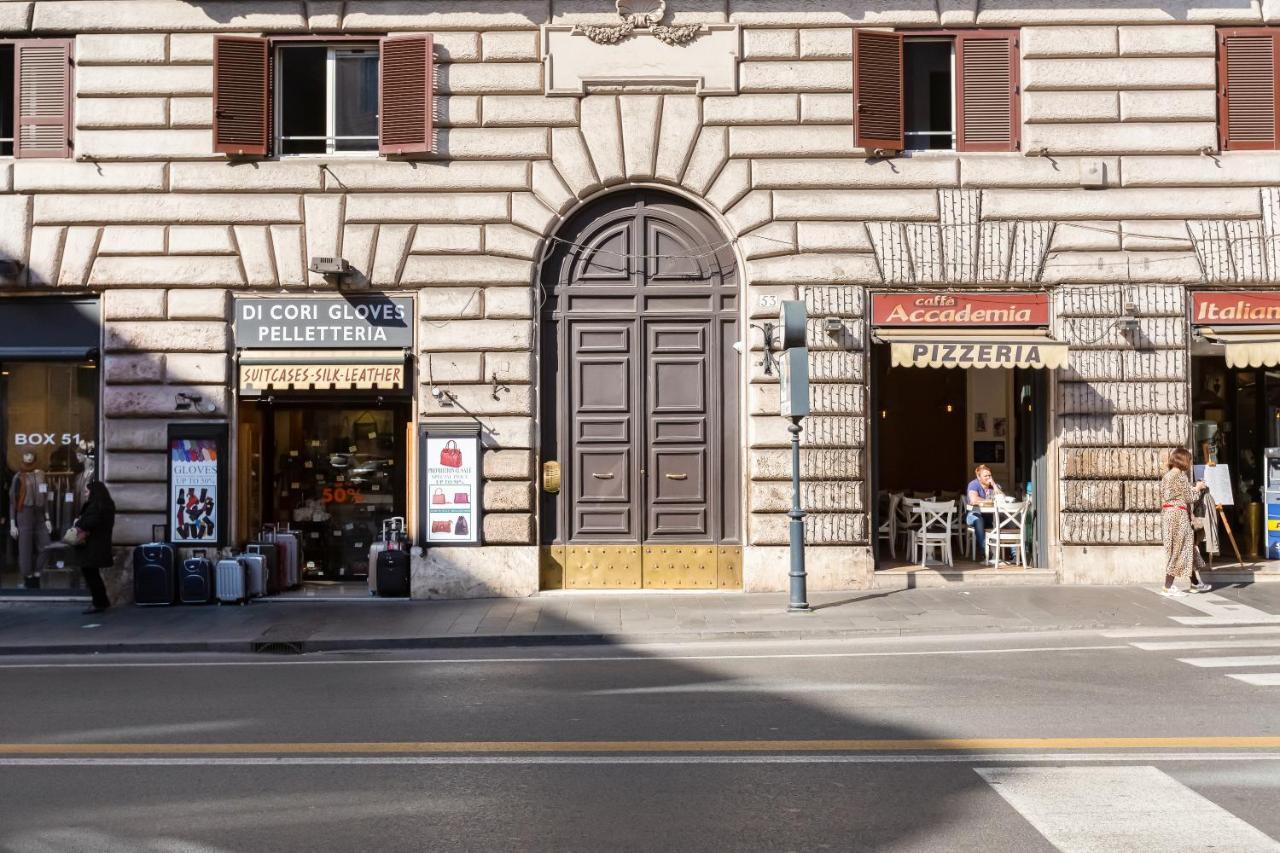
(42, 85)
(877, 90)
(241, 96)
(987, 114)
(406, 90)
(1247, 89)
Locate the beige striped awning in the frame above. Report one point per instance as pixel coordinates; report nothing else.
(1247, 346)
(321, 370)
(975, 348)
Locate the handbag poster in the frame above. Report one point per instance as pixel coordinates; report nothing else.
(453, 477)
(193, 501)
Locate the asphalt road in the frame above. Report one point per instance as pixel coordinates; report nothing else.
(1079, 741)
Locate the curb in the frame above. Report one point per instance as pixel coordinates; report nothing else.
(292, 647)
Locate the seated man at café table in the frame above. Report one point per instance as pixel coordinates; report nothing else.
(982, 488)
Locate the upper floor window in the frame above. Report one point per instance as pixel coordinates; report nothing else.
(954, 91)
(6, 100)
(35, 98)
(1247, 92)
(290, 97)
(328, 99)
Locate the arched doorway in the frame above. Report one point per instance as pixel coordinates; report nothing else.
(640, 398)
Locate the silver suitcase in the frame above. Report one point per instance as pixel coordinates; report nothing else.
(255, 566)
(230, 582)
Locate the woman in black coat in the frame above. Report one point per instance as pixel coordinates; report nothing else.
(97, 520)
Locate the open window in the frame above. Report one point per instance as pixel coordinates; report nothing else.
(1248, 96)
(292, 97)
(950, 91)
(6, 100)
(35, 98)
(327, 99)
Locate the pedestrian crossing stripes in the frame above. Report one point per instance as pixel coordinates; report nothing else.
(1098, 809)
(1251, 630)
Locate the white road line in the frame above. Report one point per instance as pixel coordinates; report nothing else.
(1134, 633)
(583, 659)
(1259, 679)
(1243, 660)
(1189, 645)
(447, 760)
(1109, 809)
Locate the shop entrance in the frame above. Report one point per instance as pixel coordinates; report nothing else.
(640, 399)
(960, 381)
(932, 428)
(332, 471)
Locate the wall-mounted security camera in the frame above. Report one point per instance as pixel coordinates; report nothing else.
(832, 326)
(442, 397)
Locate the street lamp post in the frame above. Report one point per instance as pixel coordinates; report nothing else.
(793, 375)
(799, 602)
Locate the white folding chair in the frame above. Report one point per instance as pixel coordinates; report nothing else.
(908, 522)
(963, 533)
(888, 529)
(935, 530)
(1007, 531)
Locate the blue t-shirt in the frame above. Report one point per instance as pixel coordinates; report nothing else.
(975, 485)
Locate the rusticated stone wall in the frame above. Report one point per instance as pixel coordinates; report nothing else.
(1118, 97)
(833, 443)
(1123, 402)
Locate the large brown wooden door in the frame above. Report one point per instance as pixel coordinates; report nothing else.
(640, 390)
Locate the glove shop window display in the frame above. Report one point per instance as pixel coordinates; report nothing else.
(49, 415)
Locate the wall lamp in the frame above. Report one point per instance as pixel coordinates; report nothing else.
(184, 402)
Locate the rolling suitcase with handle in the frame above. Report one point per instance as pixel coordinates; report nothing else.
(393, 538)
(293, 555)
(153, 571)
(270, 560)
(195, 582)
(231, 581)
(392, 569)
(255, 569)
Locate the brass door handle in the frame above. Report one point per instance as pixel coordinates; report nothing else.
(602, 476)
(677, 476)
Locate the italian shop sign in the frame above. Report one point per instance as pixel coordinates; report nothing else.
(324, 322)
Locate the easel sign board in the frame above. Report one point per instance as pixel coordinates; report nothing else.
(1218, 479)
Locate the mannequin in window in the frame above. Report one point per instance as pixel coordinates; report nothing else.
(29, 522)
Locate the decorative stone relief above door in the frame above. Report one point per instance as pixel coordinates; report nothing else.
(658, 58)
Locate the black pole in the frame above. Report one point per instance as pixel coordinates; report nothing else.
(799, 579)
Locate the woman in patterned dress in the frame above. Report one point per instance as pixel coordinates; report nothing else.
(1181, 559)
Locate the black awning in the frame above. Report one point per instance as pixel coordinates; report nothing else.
(49, 328)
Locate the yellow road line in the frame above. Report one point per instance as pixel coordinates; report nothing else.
(641, 746)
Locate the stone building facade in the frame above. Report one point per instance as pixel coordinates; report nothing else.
(1119, 198)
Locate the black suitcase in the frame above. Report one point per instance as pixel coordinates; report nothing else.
(393, 574)
(154, 580)
(195, 586)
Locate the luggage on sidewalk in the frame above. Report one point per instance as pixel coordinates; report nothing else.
(393, 539)
(392, 570)
(289, 550)
(154, 579)
(231, 582)
(195, 585)
(271, 558)
(255, 569)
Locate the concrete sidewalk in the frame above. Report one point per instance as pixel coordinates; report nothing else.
(569, 618)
